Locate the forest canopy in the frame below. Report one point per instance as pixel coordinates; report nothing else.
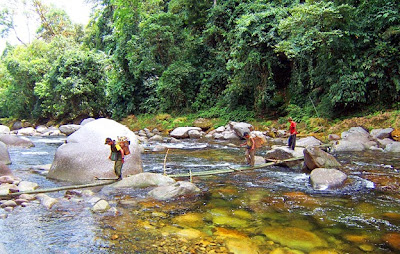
(231, 59)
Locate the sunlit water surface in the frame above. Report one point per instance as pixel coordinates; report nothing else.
(242, 212)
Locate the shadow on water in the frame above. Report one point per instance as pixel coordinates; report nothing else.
(274, 209)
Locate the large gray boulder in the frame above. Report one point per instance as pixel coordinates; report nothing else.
(308, 141)
(327, 178)
(5, 170)
(4, 129)
(4, 154)
(354, 140)
(381, 133)
(241, 128)
(315, 157)
(12, 140)
(85, 156)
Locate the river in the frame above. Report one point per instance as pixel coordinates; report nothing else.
(270, 210)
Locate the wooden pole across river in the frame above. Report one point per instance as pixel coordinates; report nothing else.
(190, 174)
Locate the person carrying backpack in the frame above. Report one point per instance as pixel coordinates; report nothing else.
(250, 149)
(117, 155)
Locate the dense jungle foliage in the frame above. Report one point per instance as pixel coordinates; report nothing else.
(233, 59)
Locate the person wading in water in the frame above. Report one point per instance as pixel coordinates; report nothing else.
(117, 155)
(250, 149)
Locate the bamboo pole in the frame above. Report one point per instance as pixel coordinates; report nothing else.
(165, 162)
(70, 187)
(230, 170)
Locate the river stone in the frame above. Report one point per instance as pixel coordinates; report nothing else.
(244, 246)
(194, 134)
(101, 206)
(28, 131)
(241, 128)
(87, 120)
(174, 190)
(156, 138)
(12, 140)
(295, 238)
(315, 157)
(4, 156)
(27, 186)
(9, 203)
(4, 129)
(68, 129)
(190, 233)
(308, 141)
(230, 135)
(159, 148)
(194, 220)
(46, 201)
(182, 132)
(85, 156)
(333, 137)
(143, 180)
(283, 153)
(381, 133)
(4, 169)
(6, 179)
(384, 142)
(327, 178)
(356, 139)
(393, 147)
(5, 188)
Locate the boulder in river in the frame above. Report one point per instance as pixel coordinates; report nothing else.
(12, 140)
(315, 157)
(4, 155)
(356, 139)
(85, 156)
(183, 132)
(174, 190)
(327, 178)
(143, 180)
(280, 153)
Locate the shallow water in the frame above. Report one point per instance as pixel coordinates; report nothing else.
(270, 210)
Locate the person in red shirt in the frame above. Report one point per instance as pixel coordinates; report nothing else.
(292, 132)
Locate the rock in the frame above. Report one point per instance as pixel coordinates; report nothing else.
(384, 142)
(204, 124)
(101, 206)
(220, 129)
(333, 137)
(258, 160)
(174, 190)
(17, 125)
(28, 131)
(42, 129)
(327, 178)
(6, 178)
(182, 132)
(381, 133)
(4, 169)
(244, 246)
(159, 148)
(354, 140)
(27, 186)
(308, 141)
(28, 197)
(241, 128)
(12, 140)
(190, 233)
(68, 129)
(393, 147)
(4, 129)
(87, 120)
(194, 220)
(315, 157)
(295, 238)
(230, 135)
(9, 203)
(19, 201)
(46, 201)
(144, 180)
(5, 188)
(283, 153)
(85, 156)
(194, 134)
(156, 138)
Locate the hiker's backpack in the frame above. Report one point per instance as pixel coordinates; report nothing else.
(124, 143)
(259, 141)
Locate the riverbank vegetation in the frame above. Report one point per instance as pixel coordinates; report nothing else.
(254, 61)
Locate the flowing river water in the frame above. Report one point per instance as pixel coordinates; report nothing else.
(270, 210)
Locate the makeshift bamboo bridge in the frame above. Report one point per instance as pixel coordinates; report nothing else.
(189, 174)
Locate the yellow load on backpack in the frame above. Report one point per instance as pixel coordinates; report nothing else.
(124, 143)
(259, 141)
